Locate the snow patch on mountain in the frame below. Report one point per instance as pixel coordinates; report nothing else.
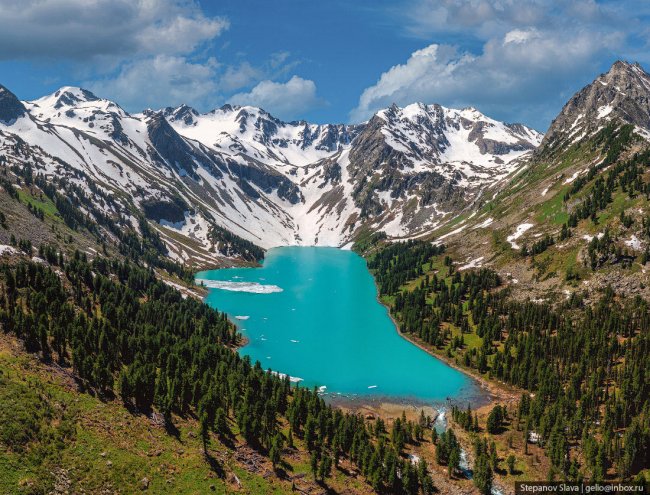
(519, 231)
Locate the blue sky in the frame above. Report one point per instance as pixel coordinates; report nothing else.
(324, 61)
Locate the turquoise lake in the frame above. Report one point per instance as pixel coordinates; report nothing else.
(312, 313)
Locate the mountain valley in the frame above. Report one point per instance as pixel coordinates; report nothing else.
(517, 257)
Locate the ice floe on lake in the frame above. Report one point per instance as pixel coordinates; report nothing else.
(253, 287)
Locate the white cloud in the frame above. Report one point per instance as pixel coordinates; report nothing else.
(141, 53)
(110, 30)
(236, 77)
(284, 100)
(520, 35)
(483, 19)
(164, 80)
(524, 71)
(512, 58)
(480, 18)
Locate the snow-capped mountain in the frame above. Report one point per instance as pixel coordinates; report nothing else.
(268, 181)
(418, 166)
(622, 93)
(252, 132)
(385, 172)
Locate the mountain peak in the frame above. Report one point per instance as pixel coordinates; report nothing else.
(624, 66)
(10, 106)
(182, 113)
(624, 73)
(622, 93)
(71, 95)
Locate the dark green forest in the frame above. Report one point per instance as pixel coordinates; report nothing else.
(127, 334)
(585, 365)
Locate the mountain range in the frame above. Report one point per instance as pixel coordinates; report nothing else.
(404, 172)
(228, 183)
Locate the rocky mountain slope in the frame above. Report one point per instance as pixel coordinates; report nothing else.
(574, 218)
(620, 94)
(268, 182)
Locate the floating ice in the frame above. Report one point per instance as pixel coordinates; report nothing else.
(253, 287)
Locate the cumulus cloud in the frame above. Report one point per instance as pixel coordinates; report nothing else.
(164, 80)
(285, 100)
(108, 29)
(525, 62)
(170, 80)
(143, 53)
(138, 52)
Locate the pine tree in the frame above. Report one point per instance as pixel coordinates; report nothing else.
(483, 474)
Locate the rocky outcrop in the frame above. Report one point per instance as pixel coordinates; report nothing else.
(267, 179)
(174, 150)
(622, 93)
(10, 107)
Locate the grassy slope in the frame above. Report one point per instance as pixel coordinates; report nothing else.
(109, 448)
(536, 196)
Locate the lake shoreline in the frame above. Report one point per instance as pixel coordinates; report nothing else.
(495, 392)
(479, 392)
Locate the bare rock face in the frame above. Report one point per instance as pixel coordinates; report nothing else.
(174, 151)
(622, 93)
(10, 107)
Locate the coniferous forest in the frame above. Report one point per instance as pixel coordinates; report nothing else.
(127, 334)
(585, 368)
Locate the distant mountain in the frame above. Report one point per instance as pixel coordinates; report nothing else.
(423, 164)
(426, 152)
(268, 181)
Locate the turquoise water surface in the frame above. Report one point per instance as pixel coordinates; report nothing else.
(312, 313)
